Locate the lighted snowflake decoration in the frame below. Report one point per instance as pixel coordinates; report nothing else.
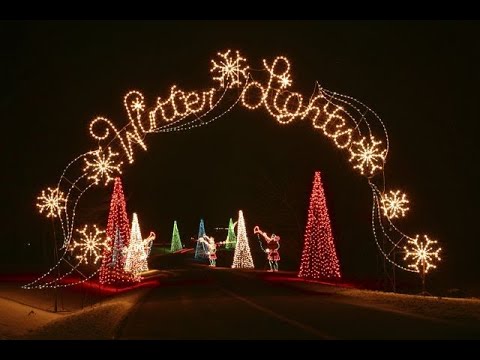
(230, 71)
(138, 105)
(91, 244)
(285, 81)
(422, 253)
(368, 157)
(52, 201)
(394, 204)
(102, 166)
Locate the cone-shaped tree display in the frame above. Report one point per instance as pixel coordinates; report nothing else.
(201, 248)
(242, 257)
(136, 260)
(118, 234)
(319, 258)
(176, 242)
(231, 238)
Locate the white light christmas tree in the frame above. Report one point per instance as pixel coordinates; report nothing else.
(242, 259)
(136, 260)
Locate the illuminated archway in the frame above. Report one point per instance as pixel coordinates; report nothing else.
(352, 127)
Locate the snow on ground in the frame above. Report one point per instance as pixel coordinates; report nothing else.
(466, 311)
(102, 319)
(456, 310)
(84, 312)
(18, 320)
(99, 321)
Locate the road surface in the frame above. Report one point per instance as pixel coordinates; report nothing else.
(219, 303)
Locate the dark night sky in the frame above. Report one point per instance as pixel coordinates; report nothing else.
(420, 77)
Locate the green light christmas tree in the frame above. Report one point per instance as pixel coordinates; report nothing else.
(231, 237)
(176, 242)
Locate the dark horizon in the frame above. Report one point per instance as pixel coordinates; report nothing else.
(420, 77)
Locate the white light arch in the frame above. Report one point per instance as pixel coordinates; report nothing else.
(351, 126)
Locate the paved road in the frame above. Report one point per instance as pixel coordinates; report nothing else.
(206, 303)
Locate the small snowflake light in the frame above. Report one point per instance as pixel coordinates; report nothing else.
(102, 166)
(285, 81)
(91, 244)
(52, 201)
(394, 204)
(230, 70)
(368, 157)
(138, 105)
(422, 253)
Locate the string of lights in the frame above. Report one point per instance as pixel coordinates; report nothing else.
(67, 236)
(72, 185)
(331, 97)
(368, 110)
(374, 209)
(57, 285)
(391, 224)
(65, 249)
(422, 253)
(90, 245)
(198, 121)
(186, 117)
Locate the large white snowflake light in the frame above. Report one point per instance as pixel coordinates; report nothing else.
(52, 202)
(229, 70)
(422, 254)
(91, 244)
(394, 204)
(368, 157)
(102, 166)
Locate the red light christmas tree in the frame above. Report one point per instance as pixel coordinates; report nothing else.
(319, 258)
(118, 236)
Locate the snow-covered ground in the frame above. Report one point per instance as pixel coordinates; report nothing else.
(83, 313)
(17, 320)
(450, 309)
(27, 314)
(99, 321)
(453, 310)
